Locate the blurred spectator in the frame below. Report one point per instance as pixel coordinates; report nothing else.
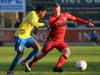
(1, 21)
(93, 37)
(82, 26)
(1, 43)
(71, 24)
(17, 24)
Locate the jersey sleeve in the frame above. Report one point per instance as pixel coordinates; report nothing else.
(34, 21)
(79, 20)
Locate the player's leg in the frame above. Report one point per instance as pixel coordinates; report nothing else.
(19, 47)
(62, 47)
(36, 58)
(46, 48)
(15, 62)
(31, 42)
(63, 57)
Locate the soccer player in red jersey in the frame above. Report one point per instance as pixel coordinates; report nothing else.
(57, 23)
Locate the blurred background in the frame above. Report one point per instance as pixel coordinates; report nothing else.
(13, 11)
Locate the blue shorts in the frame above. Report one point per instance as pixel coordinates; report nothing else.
(20, 43)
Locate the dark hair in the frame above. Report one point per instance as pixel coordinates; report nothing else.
(40, 7)
(56, 5)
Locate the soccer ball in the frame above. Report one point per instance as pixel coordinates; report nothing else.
(81, 65)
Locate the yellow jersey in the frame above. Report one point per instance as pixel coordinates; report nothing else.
(27, 25)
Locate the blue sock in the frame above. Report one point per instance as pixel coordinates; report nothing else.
(33, 53)
(14, 63)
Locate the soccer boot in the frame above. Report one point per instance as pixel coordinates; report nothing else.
(10, 72)
(57, 69)
(27, 68)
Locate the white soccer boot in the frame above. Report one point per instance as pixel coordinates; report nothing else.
(27, 68)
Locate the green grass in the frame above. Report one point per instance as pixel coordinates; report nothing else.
(91, 54)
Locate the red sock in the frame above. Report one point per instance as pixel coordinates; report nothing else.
(61, 61)
(32, 62)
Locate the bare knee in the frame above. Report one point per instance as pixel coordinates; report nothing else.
(66, 52)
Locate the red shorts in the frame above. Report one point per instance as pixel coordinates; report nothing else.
(49, 45)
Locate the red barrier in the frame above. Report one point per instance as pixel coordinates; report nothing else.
(72, 36)
(6, 36)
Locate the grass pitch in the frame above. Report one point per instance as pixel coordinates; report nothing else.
(91, 54)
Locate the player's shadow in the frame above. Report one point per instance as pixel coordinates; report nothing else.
(47, 67)
(67, 67)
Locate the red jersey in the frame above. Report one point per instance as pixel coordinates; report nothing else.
(58, 25)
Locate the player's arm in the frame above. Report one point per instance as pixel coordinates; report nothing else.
(34, 21)
(79, 20)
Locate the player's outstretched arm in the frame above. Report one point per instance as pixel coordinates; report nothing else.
(79, 20)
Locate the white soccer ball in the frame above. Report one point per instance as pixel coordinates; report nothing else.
(81, 65)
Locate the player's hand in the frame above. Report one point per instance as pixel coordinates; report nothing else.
(48, 28)
(91, 24)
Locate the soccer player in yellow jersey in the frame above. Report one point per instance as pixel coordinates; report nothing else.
(23, 38)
